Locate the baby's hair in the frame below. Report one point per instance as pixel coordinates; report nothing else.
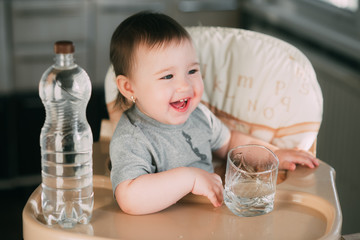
(148, 28)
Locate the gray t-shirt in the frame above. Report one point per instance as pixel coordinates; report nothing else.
(141, 145)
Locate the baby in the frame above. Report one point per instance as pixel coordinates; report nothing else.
(162, 146)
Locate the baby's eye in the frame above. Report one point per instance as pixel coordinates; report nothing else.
(193, 71)
(170, 76)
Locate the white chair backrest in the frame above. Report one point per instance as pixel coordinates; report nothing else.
(257, 84)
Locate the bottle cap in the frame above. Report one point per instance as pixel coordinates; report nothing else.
(64, 47)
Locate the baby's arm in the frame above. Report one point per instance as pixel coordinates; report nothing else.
(288, 158)
(150, 193)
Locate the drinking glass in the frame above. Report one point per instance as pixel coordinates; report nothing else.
(250, 180)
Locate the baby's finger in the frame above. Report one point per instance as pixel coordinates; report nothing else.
(304, 161)
(315, 161)
(310, 156)
(215, 198)
(219, 191)
(305, 158)
(217, 178)
(286, 165)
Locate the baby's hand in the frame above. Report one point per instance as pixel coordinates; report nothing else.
(208, 185)
(288, 159)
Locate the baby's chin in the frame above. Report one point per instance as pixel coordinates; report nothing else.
(176, 121)
(179, 118)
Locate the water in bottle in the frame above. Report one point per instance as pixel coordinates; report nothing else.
(66, 141)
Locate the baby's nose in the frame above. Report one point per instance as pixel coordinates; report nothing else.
(183, 84)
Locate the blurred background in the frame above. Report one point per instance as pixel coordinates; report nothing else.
(327, 31)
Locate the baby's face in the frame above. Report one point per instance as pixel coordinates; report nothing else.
(167, 82)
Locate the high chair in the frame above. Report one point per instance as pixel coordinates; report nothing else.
(256, 84)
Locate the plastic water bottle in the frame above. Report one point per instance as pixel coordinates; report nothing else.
(66, 141)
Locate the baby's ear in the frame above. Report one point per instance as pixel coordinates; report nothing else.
(124, 86)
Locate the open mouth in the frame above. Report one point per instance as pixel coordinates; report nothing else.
(181, 105)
